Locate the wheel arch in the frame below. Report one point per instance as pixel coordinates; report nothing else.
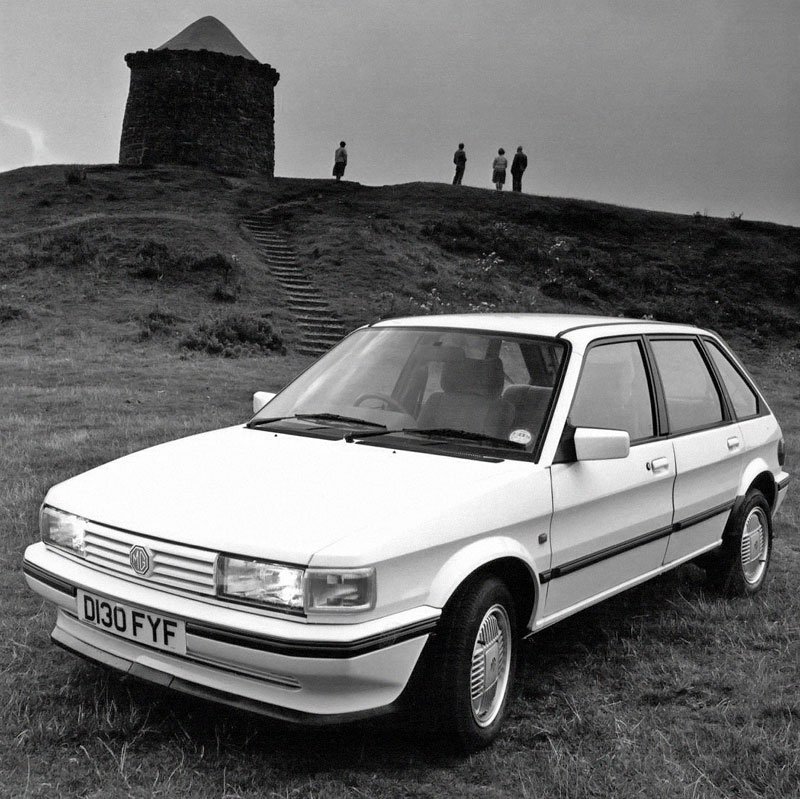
(504, 558)
(757, 474)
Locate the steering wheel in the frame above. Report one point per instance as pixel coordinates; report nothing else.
(389, 402)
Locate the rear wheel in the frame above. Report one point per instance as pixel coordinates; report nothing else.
(743, 560)
(475, 658)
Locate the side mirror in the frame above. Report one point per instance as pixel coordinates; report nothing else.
(596, 444)
(260, 399)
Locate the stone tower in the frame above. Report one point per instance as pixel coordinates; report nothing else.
(201, 99)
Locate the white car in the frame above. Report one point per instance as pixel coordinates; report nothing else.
(385, 529)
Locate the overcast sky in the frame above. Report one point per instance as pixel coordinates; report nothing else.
(678, 106)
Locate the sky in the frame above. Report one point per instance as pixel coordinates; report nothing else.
(675, 106)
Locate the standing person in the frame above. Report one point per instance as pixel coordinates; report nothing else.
(460, 160)
(499, 166)
(518, 166)
(339, 161)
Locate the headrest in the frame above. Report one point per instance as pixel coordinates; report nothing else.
(473, 376)
(522, 395)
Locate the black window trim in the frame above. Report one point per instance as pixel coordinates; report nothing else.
(565, 452)
(728, 418)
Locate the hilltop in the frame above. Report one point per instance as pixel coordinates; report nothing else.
(157, 255)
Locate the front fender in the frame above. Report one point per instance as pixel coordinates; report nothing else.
(475, 556)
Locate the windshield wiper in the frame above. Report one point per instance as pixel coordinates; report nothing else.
(439, 432)
(326, 417)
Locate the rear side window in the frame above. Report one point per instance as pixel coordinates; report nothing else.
(744, 399)
(692, 398)
(613, 391)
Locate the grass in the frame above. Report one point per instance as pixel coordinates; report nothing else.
(665, 691)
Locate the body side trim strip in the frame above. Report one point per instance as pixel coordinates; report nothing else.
(312, 649)
(702, 517)
(619, 549)
(37, 573)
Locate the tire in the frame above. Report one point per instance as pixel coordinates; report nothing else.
(474, 662)
(743, 561)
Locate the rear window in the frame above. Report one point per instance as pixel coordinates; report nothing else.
(744, 399)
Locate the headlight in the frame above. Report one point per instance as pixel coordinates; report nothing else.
(346, 589)
(289, 588)
(63, 530)
(271, 584)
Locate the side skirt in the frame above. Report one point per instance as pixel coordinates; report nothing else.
(546, 621)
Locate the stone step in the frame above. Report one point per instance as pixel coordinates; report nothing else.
(300, 285)
(320, 335)
(270, 249)
(260, 223)
(327, 327)
(277, 256)
(306, 305)
(280, 260)
(320, 319)
(284, 271)
(321, 338)
(270, 244)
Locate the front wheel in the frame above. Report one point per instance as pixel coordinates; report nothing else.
(743, 561)
(476, 657)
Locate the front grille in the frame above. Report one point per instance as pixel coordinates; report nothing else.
(173, 565)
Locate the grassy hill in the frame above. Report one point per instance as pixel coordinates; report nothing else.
(134, 254)
(119, 290)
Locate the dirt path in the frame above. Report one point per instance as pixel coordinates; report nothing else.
(77, 221)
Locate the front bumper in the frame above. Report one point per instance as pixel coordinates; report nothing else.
(314, 673)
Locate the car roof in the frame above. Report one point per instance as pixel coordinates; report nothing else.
(577, 328)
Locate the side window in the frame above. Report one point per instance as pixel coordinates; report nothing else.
(744, 399)
(692, 398)
(613, 391)
(514, 366)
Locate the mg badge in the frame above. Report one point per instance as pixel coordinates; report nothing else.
(140, 560)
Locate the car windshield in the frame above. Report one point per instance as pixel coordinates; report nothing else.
(472, 389)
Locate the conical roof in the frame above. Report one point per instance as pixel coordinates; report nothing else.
(208, 33)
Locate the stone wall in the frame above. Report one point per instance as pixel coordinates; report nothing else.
(199, 108)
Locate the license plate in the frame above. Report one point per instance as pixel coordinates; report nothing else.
(142, 626)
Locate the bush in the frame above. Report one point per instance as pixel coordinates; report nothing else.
(155, 261)
(8, 313)
(69, 250)
(157, 323)
(236, 335)
(75, 176)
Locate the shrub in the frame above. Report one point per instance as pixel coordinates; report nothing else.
(155, 261)
(236, 335)
(74, 176)
(68, 250)
(8, 313)
(157, 323)
(225, 292)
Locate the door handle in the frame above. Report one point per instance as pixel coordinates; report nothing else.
(658, 465)
(733, 443)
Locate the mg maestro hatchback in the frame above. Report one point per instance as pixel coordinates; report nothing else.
(386, 529)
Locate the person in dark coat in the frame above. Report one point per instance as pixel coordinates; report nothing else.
(460, 160)
(518, 166)
(339, 161)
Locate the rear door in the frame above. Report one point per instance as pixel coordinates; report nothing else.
(611, 518)
(707, 440)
